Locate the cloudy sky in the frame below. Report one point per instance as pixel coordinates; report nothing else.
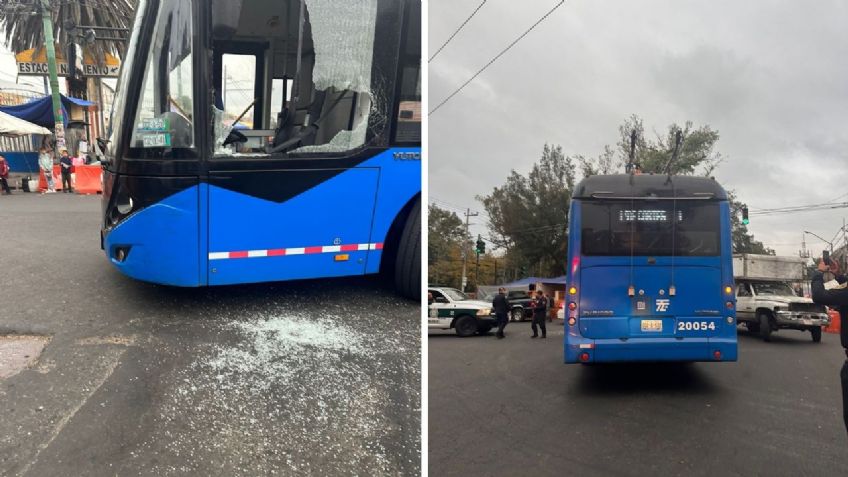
(770, 76)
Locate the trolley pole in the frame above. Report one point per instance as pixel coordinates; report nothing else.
(58, 117)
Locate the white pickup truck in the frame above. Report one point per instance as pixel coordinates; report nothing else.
(766, 301)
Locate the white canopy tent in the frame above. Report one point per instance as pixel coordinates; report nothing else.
(12, 126)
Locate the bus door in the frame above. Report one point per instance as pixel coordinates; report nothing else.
(289, 195)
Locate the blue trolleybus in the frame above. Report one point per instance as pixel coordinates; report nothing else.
(265, 140)
(650, 273)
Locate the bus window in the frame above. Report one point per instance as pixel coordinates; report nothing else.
(645, 229)
(408, 128)
(319, 60)
(238, 92)
(164, 115)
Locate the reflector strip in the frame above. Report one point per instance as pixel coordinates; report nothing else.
(278, 252)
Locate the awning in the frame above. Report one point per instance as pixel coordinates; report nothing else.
(40, 111)
(12, 126)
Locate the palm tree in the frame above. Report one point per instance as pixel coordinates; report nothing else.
(21, 23)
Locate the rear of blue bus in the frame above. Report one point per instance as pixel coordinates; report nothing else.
(642, 288)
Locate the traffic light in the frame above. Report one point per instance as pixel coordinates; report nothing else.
(745, 215)
(481, 245)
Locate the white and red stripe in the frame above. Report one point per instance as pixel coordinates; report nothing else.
(280, 252)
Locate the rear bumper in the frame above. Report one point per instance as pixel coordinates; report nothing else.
(649, 349)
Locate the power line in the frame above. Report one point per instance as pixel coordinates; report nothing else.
(801, 208)
(540, 20)
(457, 30)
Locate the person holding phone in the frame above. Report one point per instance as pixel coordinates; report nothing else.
(835, 298)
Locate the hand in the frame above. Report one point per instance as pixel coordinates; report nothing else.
(822, 267)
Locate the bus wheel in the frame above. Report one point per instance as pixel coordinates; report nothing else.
(466, 326)
(816, 332)
(517, 314)
(765, 327)
(408, 259)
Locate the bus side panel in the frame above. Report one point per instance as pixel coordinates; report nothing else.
(400, 181)
(307, 236)
(572, 334)
(163, 241)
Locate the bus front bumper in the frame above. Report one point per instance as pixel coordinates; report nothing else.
(584, 350)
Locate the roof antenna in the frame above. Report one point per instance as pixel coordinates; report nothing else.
(678, 139)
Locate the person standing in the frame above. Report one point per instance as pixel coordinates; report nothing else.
(500, 305)
(837, 297)
(66, 162)
(4, 176)
(539, 306)
(45, 161)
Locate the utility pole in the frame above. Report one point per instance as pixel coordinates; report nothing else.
(468, 215)
(58, 117)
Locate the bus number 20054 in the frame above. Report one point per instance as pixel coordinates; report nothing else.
(696, 325)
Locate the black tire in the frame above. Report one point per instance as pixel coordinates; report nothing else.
(408, 259)
(765, 327)
(816, 332)
(484, 329)
(517, 314)
(465, 326)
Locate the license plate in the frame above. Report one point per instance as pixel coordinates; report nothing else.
(651, 325)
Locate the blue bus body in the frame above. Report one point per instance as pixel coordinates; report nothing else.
(649, 307)
(322, 176)
(207, 235)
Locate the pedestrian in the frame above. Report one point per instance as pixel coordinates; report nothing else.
(550, 308)
(66, 162)
(45, 161)
(4, 176)
(837, 297)
(539, 306)
(500, 305)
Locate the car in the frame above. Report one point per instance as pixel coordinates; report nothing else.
(519, 305)
(453, 309)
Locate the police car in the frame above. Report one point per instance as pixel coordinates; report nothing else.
(453, 309)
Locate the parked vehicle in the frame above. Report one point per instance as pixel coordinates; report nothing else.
(519, 305)
(452, 309)
(766, 301)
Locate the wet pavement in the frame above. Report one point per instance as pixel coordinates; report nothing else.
(775, 412)
(302, 378)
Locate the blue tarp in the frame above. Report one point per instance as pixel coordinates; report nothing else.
(40, 111)
(22, 162)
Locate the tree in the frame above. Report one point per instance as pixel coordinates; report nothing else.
(529, 215)
(22, 27)
(446, 234)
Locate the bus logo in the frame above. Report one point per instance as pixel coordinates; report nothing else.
(662, 305)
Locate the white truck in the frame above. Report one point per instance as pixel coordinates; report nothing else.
(766, 300)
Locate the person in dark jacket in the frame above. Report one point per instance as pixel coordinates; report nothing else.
(500, 305)
(66, 163)
(835, 298)
(539, 305)
(4, 175)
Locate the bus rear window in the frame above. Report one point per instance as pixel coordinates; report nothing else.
(656, 228)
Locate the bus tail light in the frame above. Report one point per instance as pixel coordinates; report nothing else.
(572, 290)
(728, 290)
(572, 306)
(584, 357)
(572, 321)
(717, 355)
(729, 305)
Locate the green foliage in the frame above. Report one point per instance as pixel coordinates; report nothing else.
(529, 215)
(742, 241)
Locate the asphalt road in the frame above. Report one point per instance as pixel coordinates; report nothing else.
(298, 378)
(511, 407)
